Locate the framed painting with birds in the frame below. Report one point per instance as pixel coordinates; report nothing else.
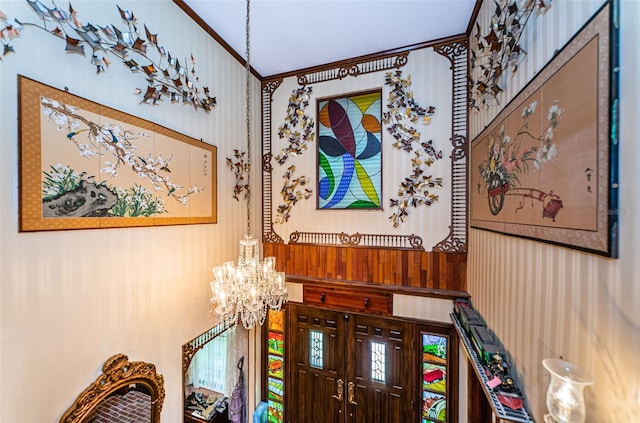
(84, 165)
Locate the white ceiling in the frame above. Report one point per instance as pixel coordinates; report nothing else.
(289, 35)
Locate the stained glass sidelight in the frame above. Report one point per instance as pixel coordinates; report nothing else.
(275, 366)
(434, 378)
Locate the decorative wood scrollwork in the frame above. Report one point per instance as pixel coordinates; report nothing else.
(456, 241)
(118, 372)
(267, 167)
(270, 86)
(412, 242)
(452, 50)
(354, 68)
(272, 236)
(460, 147)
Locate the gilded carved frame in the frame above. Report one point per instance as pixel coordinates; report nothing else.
(118, 372)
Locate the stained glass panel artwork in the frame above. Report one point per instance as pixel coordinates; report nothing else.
(434, 407)
(378, 361)
(434, 348)
(276, 320)
(316, 349)
(276, 366)
(275, 412)
(350, 152)
(275, 389)
(275, 343)
(434, 377)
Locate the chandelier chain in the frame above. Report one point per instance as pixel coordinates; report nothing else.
(248, 111)
(247, 291)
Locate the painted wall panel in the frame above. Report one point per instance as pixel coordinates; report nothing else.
(71, 299)
(547, 301)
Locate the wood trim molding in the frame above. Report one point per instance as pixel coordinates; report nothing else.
(409, 269)
(205, 26)
(353, 68)
(447, 294)
(347, 63)
(409, 242)
(474, 17)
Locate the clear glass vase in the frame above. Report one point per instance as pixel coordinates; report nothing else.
(565, 395)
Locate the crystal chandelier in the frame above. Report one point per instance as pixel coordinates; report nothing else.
(244, 292)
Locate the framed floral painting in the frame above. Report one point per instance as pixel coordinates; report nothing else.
(546, 167)
(84, 165)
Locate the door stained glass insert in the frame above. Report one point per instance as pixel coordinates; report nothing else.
(350, 151)
(378, 361)
(316, 347)
(434, 378)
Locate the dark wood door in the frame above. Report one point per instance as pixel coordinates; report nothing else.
(380, 351)
(349, 368)
(316, 357)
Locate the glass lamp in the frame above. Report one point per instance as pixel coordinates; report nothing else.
(565, 396)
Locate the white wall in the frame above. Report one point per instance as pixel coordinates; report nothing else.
(548, 301)
(71, 299)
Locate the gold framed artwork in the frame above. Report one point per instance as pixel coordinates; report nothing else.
(84, 165)
(546, 167)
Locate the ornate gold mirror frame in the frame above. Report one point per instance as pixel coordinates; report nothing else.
(118, 372)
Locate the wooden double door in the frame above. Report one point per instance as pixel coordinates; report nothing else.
(349, 368)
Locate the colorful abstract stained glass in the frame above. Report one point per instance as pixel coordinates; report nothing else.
(275, 412)
(350, 152)
(275, 343)
(276, 320)
(276, 366)
(275, 389)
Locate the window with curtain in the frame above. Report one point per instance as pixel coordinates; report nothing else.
(208, 368)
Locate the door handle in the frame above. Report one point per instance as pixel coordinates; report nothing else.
(352, 394)
(340, 390)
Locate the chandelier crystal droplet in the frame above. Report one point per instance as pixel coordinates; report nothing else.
(247, 291)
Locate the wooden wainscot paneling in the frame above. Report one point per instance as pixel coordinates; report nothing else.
(397, 267)
(349, 299)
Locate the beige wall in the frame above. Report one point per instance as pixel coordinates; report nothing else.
(71, 299)
(547, 301)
